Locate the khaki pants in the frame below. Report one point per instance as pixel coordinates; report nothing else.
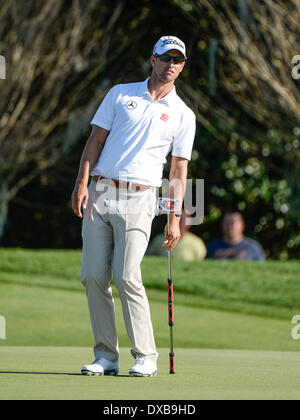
(116, 229)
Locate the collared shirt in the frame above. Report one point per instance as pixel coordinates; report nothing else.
(142, 133)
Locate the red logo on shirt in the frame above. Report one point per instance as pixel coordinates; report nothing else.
(164, 117)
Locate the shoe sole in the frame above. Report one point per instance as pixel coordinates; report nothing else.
(138, 374)
(112, 372)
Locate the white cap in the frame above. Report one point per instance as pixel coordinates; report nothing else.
(167, 43)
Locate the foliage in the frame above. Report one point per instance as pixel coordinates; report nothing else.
(248, 101)
(238, 81)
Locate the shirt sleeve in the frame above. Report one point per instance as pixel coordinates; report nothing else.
(184, 139)
(105, 114)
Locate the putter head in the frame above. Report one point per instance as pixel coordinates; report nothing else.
(167, 206)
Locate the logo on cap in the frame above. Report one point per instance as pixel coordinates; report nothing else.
(171, 41)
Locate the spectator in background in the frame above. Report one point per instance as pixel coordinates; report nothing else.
(189, 248)
(235, 245)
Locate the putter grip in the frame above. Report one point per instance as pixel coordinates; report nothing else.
(170, 301)
(172, 363)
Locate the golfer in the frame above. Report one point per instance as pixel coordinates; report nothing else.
(134, 129)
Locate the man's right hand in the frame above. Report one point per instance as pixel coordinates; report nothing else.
(79, 197)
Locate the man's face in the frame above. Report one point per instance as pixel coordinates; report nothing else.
(233, 226)
(167, 72)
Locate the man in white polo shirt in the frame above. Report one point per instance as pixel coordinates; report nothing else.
(134, 129)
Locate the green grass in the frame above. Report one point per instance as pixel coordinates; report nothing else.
(53, 373)
(267, 289)
(37, 316)
(217, 304)
(232, 331)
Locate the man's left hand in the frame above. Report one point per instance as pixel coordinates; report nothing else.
(172, 239)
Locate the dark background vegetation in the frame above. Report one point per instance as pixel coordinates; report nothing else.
(63, 56)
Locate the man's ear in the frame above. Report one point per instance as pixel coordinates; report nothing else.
(152, 60)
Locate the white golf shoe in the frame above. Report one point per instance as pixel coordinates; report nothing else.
(100, 367)
(143, 367)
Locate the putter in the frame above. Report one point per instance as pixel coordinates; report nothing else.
(167, 206)
(171, 306)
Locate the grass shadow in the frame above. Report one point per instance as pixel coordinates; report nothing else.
(53, 373)
(39, 373)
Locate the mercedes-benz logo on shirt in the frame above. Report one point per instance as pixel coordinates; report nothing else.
(131, 105)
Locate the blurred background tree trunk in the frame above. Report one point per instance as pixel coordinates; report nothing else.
(46, 98)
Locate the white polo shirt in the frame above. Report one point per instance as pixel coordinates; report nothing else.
(142, 133)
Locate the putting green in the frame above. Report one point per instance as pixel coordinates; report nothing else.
(38, 316)
(232, 332)
(54, 373)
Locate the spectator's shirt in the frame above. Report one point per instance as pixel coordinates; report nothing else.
(189, 248)
(247, 250)
(142, 133)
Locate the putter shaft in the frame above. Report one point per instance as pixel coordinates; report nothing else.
(171, 309)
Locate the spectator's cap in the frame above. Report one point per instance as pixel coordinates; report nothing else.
(166, 43)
